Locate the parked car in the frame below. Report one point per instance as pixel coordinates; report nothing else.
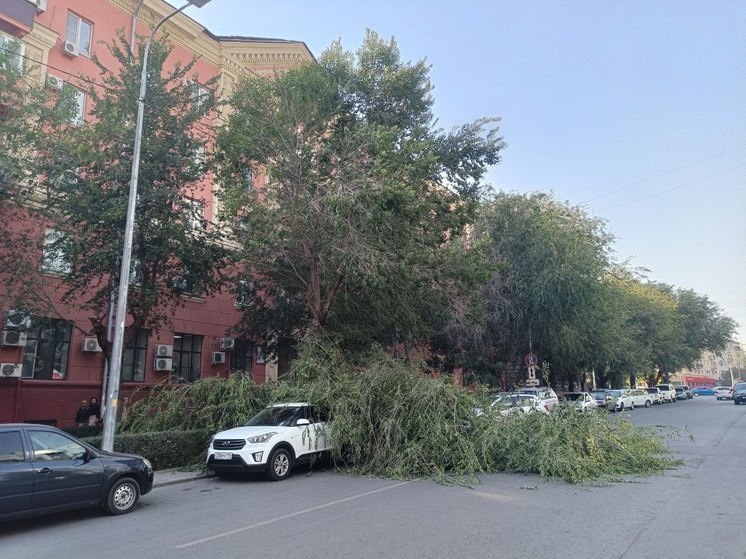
(45, 470)
(656, 394)
(516, 403)
(622, 400)
(688, 391)
(640, 397)
(681, 393)
(581, 401)
(273, 441)
(547, 396)
(604, 399)
(668, 392)
(723, 393)
(739, 393)
(703, 391)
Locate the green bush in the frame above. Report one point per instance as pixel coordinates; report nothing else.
(165, 449)
(86, 431)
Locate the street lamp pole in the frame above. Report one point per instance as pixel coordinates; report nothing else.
(115, 371)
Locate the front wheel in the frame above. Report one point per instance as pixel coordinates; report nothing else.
(648, 403)
(279, 464)
(123, 496)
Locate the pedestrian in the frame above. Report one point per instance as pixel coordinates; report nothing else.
(81, 418)
(94, 412)
(122, 409)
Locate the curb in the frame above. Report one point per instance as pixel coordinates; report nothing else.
(177, 477)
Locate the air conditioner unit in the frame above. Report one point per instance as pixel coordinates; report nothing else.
(218, 357)
(227, 343)
(8, 370)
(164, 350)
(41, 6)
(91, 344)
(54, 82)
(70, 49)
(18, 319)
(162, 364)
(13, 338)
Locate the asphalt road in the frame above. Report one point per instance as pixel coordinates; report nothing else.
(696, 511)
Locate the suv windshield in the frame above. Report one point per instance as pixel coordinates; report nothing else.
(275, 416)
(740, 386)
(571, 396)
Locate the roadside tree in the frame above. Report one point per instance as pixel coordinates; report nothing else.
(349, 234)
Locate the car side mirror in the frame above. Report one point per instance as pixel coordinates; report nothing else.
(302, 422)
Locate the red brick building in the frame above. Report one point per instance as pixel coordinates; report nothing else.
(47, 365)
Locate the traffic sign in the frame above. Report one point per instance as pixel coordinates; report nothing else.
(532, 382)
(530, 360)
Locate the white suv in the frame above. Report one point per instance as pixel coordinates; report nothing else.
(547, 397)
(273, 441)
(668, 392)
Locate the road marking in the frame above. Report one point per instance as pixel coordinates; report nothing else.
(286, 516)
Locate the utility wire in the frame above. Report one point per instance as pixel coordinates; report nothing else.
(664, 173)
(674, 188)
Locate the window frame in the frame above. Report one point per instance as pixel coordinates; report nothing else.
(17, 57)
(54, 348)
(139, 352)
(54, 260)
(75, 36)
(194, 357)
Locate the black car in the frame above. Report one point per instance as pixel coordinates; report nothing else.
(45, 470)
(739, 393)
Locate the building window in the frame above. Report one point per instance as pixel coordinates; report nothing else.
(200, 155)
(11, 52)
(246, 176)
(197, 93)
(196, 215)
(133, 358)
(242, 294)
(78, 117)
(187, 357)
(54, 259)
(242, 357)
(79, 32)
(47, 349)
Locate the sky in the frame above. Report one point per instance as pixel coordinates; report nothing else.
(633, 110)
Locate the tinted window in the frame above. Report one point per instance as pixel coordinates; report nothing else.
(49, 446)
(11, 447)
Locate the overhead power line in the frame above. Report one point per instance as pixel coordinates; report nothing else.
(674, 188)
(709, 157)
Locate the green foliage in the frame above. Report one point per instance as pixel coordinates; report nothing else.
(175, 250)
(212, 403)
(576, 446)
(34, 122)
(390, 420)
(168, 449)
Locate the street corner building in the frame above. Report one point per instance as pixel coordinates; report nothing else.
(49, 361)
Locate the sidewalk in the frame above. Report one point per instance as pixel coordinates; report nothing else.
(162, 478)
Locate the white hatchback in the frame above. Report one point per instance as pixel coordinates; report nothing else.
(723, 393)
(273, 441)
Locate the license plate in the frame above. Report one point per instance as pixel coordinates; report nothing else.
(223, 455)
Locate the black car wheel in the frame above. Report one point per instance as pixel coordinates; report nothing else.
(648, 403)
(123, 496)
(279, 464)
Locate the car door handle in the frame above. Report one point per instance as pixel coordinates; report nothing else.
(44, 471)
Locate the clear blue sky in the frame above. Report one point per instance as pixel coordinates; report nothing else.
(635, 110)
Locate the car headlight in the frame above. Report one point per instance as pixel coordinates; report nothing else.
(147, 463)
(261, 438)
